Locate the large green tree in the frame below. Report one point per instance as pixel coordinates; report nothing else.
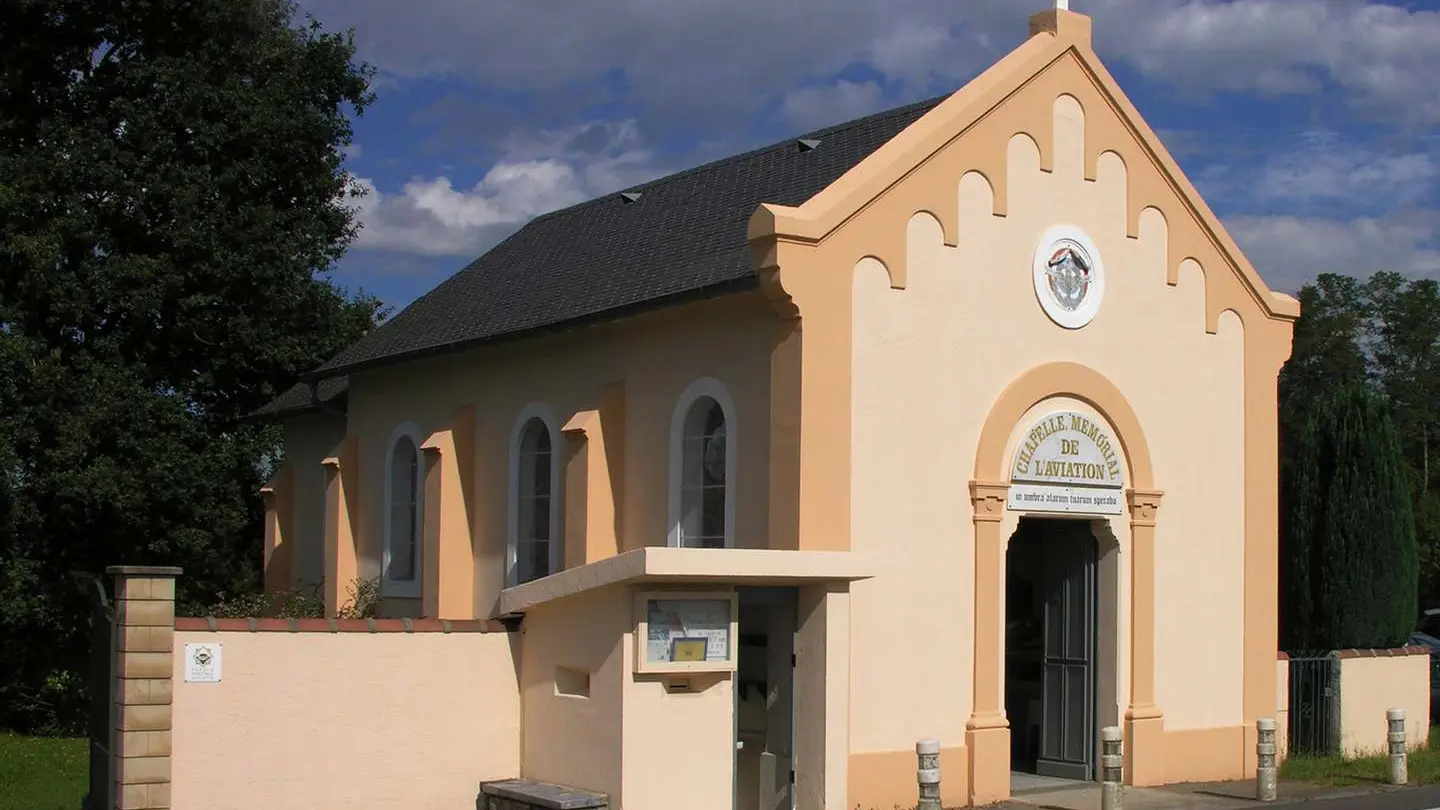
(172, 198)
(1328, 340)
(1383, 331)
(1405, 345)
(1347, 539)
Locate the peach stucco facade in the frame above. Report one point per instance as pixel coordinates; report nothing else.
(300, 485)
(951, 341)
(642, 368)
(281, 730)
(878, 389)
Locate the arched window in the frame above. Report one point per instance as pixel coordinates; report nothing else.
(702, 468)
(404, 516)
(535, 538)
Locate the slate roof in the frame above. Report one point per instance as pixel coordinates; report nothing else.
(330, 392)
(683, 238)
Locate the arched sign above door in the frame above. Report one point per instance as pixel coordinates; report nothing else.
(1067, 462)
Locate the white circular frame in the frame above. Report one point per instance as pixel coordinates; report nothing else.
(1085, 313)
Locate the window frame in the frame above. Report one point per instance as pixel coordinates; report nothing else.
(546, 415)
(703, 388)
(401, 588)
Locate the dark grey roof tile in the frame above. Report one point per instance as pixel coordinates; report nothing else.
(330, 391)
(684, 236)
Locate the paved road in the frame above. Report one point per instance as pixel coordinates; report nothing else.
(1232, 796)
(1423, 798)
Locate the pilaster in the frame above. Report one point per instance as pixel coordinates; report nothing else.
(342, 559)
(447, 586)
(987, 733)
(1144, 722)
(279, 559)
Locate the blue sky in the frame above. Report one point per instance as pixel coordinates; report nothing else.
(1309, 125)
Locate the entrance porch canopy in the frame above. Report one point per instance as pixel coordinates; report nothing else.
(731, 566)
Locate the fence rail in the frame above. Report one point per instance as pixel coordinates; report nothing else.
(1314, 728)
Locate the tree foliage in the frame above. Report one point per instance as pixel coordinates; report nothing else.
(1347, 531)
(1380, 334)
(171, 201)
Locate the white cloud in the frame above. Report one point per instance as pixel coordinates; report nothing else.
(539, 172)
(714, 60)
(814, 107)
(1291, 251)
(699, 64)
(913, 47)
(1380, 55)
(707, 69)
(1321, 168)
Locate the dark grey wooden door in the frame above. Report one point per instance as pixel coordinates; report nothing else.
(1067, 726)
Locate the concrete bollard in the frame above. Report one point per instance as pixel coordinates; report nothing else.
(927, 774)
(1112, 769)
(1399, 766)
(1266, 778)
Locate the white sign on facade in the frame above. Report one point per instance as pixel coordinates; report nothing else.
(687, 630)
(1067, 462)
(1050, 498)
(202, 663)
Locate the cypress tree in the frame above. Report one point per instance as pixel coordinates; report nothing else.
(1298, 496)
(1349, 565)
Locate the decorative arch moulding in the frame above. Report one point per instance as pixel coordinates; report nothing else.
(1063, 379)
(1045, 68)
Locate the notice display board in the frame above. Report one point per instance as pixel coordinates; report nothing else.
(685, 631)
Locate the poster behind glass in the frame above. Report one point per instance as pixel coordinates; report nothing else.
(687, 630)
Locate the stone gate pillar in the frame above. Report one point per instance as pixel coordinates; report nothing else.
(144, 683)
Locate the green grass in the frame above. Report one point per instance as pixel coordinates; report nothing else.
(1423, 767)
(42, 773)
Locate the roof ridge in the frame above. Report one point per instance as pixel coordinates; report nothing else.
(881, 115)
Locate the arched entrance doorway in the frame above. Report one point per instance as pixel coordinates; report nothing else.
(1000, 501)
(1066, 476)
(1053, 634)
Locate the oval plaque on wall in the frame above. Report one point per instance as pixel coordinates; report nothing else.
(1067, 462)
(1069, 276)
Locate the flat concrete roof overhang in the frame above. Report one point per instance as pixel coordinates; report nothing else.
(689, 566)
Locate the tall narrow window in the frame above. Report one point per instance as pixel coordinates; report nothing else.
(702, 477)
(535, 536)
(403, 521)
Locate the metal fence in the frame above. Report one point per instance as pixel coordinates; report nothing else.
(1314, 705)
(101, 729)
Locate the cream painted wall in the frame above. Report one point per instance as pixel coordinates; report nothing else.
(930, 360)
(657, 356)
(1371, 686)
(574, 740)
(1282, 708)
(308, 441)
(667, 745)
(345, 721)
(679, 748)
